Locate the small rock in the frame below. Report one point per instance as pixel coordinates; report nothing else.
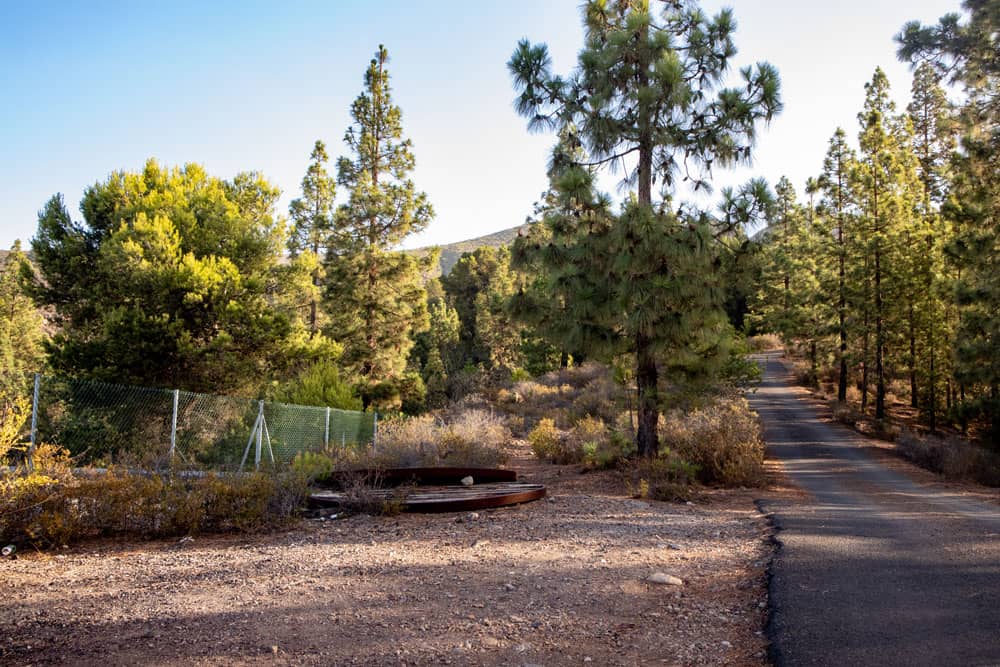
(274, 650)
(521, 648)
(8, 550)
(674, 546)
(663, 578)
(509, 587)
(468, 481)
(472, 516)
(726, 644)
(587, 658)
(185, 540)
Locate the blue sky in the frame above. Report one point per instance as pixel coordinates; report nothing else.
(89, 88)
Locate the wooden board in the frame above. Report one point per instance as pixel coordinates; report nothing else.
(443, 498)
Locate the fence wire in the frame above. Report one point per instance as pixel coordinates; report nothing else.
(102, 423)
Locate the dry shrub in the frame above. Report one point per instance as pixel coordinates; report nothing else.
(722, 439)
(52, 506)
(363, 494)
(598, 398)
(845, 413)
(764, 343)
(665, 477)
(575, 377)
(549, 444)
(952, 457)
(472, 438)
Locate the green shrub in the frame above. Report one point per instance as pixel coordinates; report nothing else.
(322, 385)
(764, 343)
(14, 412)
(313, 465)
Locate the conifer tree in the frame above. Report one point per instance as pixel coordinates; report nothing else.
(376, 297)
(645, 98)
(837, 204)
(20, 326)
(312, 224)
(934, 145)
(887, 192)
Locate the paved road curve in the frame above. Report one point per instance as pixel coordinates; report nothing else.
(873, 569)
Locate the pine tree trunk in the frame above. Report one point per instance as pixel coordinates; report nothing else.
(842, 314)
(646, 380)
(913, 358)
(879, 340)
(932, 387)
(647, 439)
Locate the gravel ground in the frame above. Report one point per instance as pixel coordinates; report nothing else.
(560, 581)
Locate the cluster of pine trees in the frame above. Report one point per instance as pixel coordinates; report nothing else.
(177, 278)
(888, 273)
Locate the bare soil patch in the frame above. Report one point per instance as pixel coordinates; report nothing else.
(561, 581)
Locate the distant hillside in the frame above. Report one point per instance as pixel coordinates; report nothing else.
(452, 252)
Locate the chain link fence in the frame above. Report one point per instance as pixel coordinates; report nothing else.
(101, 423)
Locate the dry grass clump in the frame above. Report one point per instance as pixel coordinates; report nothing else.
(952, 457)
(845, 413)
(764, 343)
(722, 439)
(666, 477)
(471, 438)
(575, 377)
(53, 506)
(598, 398)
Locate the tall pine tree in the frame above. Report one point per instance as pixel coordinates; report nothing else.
(646, 97)
(312, 225)
(965, 50)
(376, 297)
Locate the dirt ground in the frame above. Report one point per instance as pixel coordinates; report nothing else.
(561, 581)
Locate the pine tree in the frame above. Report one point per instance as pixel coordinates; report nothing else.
(312, 224)
(837, 204)
(375, 294)
(934, 145)
(887, 193)
(20, 326)
(645, 97)
(966, 52)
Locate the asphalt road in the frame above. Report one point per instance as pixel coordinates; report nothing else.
(872, 568)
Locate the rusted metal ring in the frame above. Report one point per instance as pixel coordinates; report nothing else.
(443, 498)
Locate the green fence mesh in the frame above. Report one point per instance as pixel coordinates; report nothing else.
(101, 423)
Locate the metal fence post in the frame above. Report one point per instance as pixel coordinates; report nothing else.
(326, 430)
(173, 425)
(260, 435)
(30, 458)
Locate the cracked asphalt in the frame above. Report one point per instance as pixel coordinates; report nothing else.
(872, 568)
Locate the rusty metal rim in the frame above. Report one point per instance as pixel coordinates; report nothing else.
(463, 499)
